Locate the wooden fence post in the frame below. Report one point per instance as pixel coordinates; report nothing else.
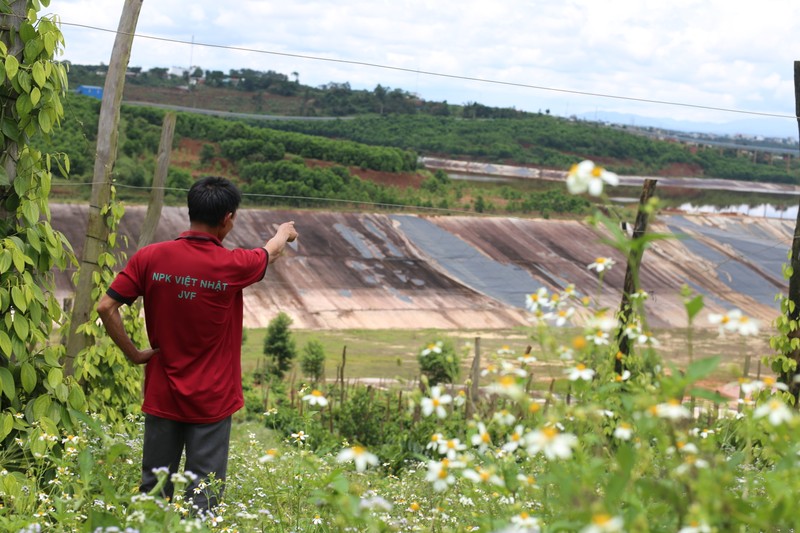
(632, 273)
(159, 179)
(107, 136)
(475, 377)
(794, 280)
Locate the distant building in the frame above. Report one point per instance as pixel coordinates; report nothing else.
(90, 90)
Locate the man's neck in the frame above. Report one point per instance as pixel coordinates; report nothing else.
(205, 228)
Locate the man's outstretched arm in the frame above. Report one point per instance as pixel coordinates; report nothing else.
(286, 233)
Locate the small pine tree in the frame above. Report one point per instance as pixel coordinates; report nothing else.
(313, 361)
(279, 346)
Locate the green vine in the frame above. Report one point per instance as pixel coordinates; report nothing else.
(37, 401)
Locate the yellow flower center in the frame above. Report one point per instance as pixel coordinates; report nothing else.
(533, 407)
(579, 343)
(550, 432)
(601, 519)
(524, 515)
(485, 438)
(485, 475)
(507, 381)
(580, 366)
(725, 319)
(316, 393)
(414, 506)
(597, 171)
(600, 260)
(436, 402)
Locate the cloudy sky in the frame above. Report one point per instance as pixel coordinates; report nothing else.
(530, 54)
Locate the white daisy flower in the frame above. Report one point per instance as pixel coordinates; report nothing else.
(435, 403)
(602, 264)
(580, 371)
(775, 410)
(672, 410)
(358, 455)
(603, 523)
(316, 398)
(623, 431)
(551, 442)
(434, 347)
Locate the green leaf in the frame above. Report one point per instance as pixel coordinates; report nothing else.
(7, 382)
(702, 368)
(24, 80)
(625, 460)
(21, 327)
(6, 425)
(62, 393)
(694, 306)
(27, 375)
(5, 343)
(706, 394)
(55, 377)
(10, 129)
(76, 398)
(19, 299)
(36, 95)
(12, 66)
(40, 407)
(45, 120)
(38, 76)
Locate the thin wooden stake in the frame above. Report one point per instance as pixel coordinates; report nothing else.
(632, 273)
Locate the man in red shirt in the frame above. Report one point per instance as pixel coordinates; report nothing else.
(192, 290)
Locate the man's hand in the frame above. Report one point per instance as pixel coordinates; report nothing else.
(142, 356)
(286, 233)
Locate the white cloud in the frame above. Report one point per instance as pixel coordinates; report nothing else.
(701, 52)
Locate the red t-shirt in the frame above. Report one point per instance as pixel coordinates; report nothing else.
(192, 289)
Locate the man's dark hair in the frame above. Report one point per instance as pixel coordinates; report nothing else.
(211, 198)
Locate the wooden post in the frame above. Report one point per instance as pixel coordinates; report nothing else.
(9, 30)
(746, 375)
(632, 272)
(159, 179)
(794, 281)
(107, 136)
(475, 377)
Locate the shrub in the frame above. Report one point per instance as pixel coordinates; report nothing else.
(313, 360)
(439, 362)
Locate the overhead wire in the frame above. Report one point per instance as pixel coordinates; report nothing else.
(426, 73)
(435, 74)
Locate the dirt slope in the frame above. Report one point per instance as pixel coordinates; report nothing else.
(366, 270)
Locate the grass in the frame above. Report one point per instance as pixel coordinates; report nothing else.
(392, 353)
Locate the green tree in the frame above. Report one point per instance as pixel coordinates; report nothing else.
(312, 361)
(279, 345)
(207, 153)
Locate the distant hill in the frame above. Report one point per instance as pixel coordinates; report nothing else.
(765, 127)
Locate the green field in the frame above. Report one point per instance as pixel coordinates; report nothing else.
(391, 353)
